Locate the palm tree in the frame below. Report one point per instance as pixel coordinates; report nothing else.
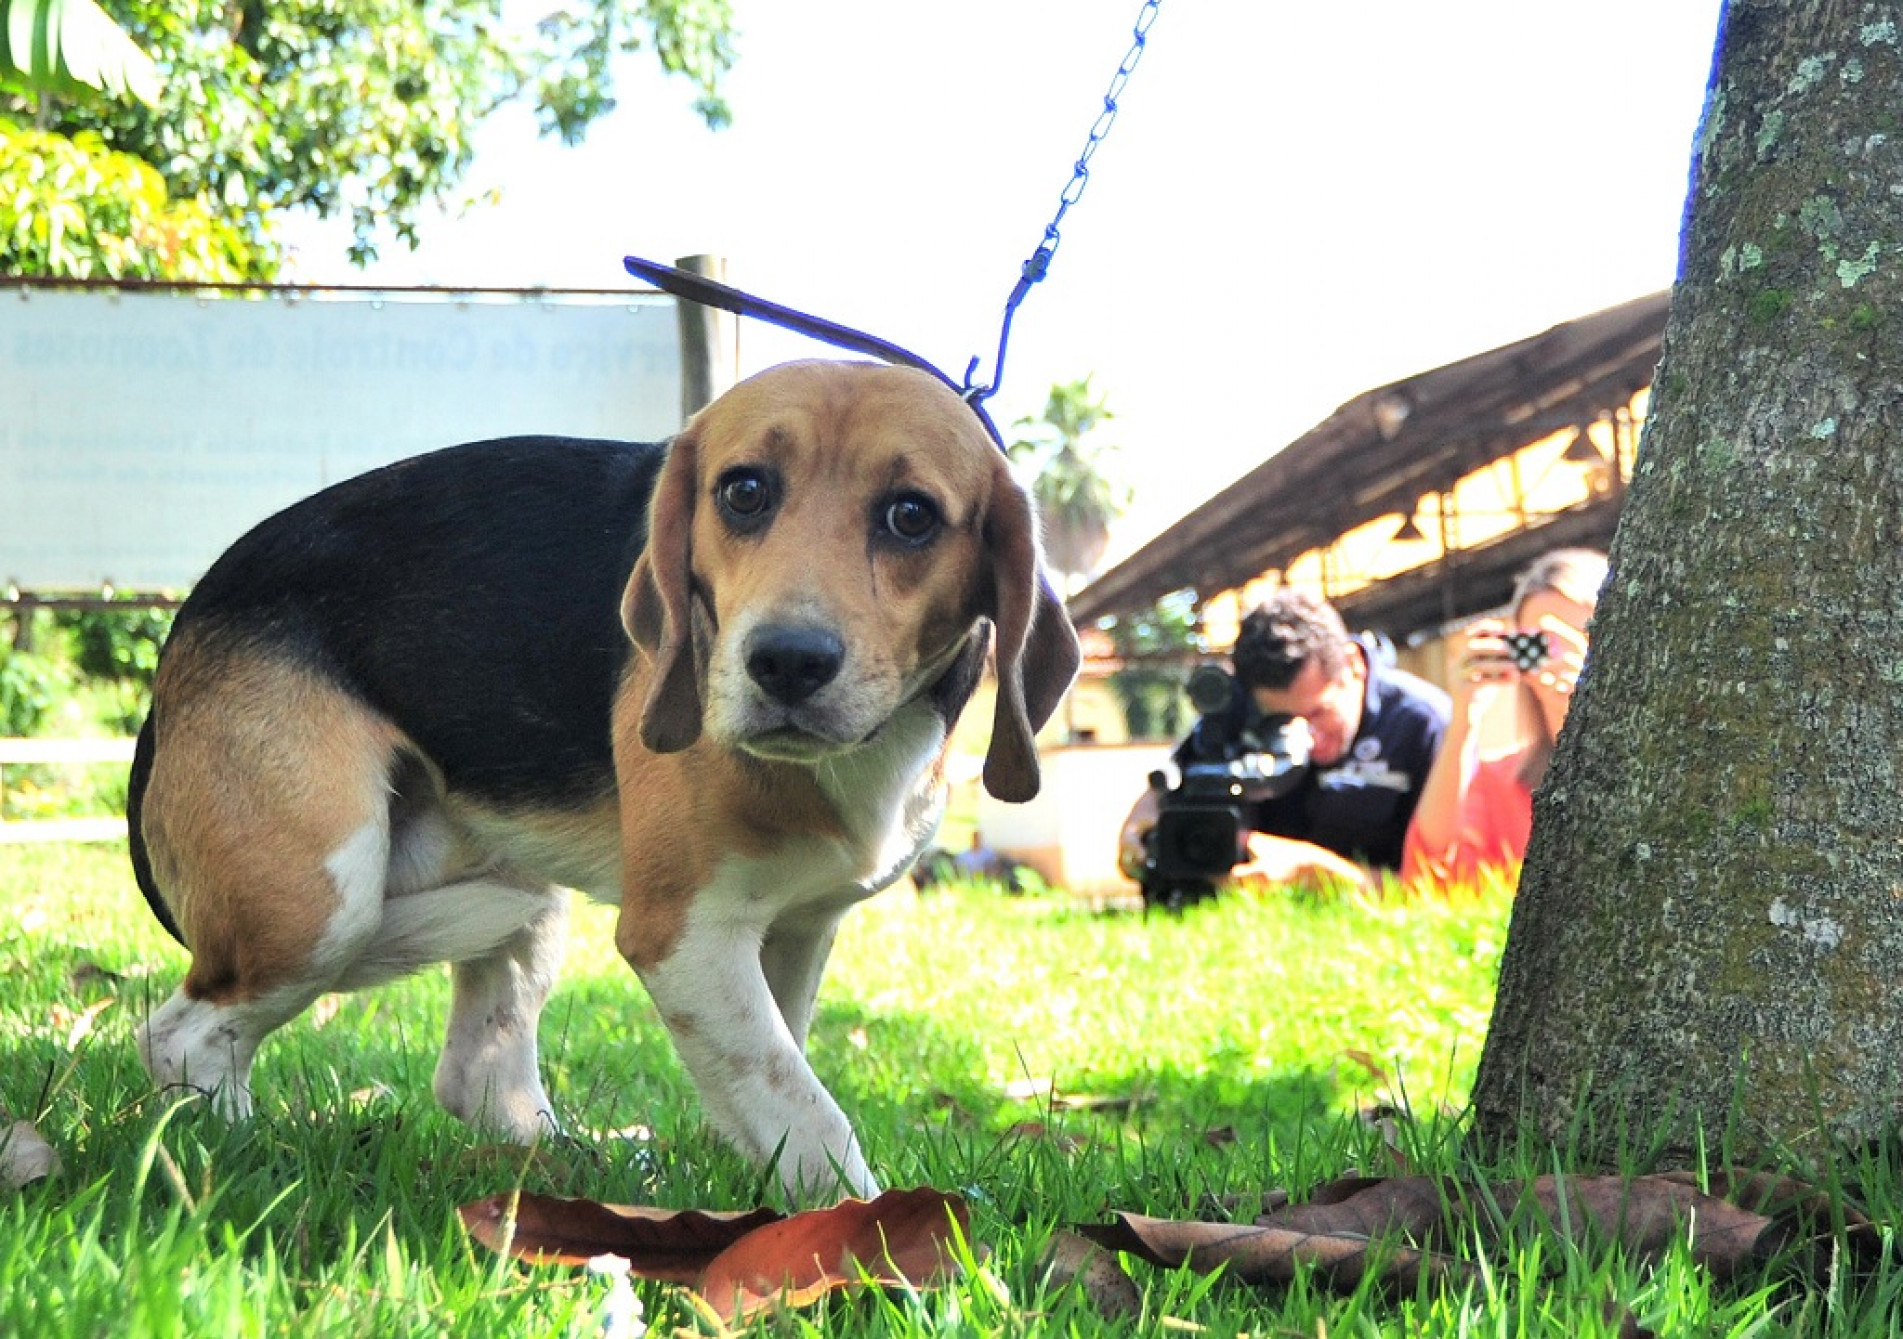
(1075, 492)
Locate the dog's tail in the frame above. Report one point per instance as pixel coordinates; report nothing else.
(135, 835)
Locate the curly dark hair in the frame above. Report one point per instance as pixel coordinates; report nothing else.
(1282, 634)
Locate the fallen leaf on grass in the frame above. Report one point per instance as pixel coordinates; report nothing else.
(90, 975)
(1105, 1102)
(1397, 1229)
(1270, 1254)
(739, 1263)
(672, 1245)
(1367, 1063)
(324, 1011)
(24, 1156)
(904, 1238)
(78, 1024)
(1075, 1259)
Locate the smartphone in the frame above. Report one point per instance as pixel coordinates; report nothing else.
(1529, 650)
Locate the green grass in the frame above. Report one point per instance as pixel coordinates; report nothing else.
(1225, 1053)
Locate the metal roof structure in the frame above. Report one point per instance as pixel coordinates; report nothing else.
(1382, 452)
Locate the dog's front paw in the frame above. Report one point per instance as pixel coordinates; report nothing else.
(817, 1168)
(520, 1113)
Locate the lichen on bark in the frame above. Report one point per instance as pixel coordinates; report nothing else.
(1710, 923)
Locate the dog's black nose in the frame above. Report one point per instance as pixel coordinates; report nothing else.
(792, 663)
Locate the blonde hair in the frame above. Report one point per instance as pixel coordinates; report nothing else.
(1577, 575)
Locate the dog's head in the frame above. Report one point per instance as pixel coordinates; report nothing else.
(822, 542)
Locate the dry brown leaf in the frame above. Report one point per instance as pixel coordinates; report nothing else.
(667, 1244)
(91, 976)
(1257, 1254)
(1807, 1213)
(25, 1157)
(1648, 1214)
(738, 1263)
(902, 1238)
(1366, 1062)
(1398, 1227)
(1094, 1102)
(1645, 1214)
(81, 1025)
(1075, 1259)
(324, 1011)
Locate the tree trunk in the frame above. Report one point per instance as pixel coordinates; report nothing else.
(1709, 932)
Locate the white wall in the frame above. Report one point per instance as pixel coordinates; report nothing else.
(1068, 834)
(142, 432)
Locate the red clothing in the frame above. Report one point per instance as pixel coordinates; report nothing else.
(1495, 819)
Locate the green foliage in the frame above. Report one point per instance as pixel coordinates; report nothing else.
(368, 107)
(1075, 486)
(1155, 647)
(121, 642)
(75, 209)
(70, 48)
(89, 675)
(30, 688)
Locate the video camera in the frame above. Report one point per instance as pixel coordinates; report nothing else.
(1202, 823)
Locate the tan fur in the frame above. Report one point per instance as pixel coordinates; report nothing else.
(244, 866)
(682, 814)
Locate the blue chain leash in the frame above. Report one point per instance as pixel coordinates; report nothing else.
(707, 292)
(1039, 264)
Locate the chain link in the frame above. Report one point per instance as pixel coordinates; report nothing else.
(1038, 265)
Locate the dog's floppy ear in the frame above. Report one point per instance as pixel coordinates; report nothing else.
(657, 609)
(1037, 653)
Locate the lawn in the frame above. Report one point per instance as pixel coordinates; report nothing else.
(1049, 1063)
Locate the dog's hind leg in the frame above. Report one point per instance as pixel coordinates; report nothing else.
(489, 1074)
(257, 972)
(266, 820)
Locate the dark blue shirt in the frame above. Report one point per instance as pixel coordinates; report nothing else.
(1360, 805)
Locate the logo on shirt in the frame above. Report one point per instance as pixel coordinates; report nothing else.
(1373, 774)
(1367, 750)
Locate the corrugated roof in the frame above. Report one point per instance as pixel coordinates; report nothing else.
(1381, 451)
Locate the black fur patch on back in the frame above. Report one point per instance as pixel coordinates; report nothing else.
(471, 595)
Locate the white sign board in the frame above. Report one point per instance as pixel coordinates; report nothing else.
(142, 432)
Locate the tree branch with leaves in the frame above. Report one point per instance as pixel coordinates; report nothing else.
(365, 108)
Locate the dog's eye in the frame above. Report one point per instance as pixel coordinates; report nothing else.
(744, 495)
(911, 519)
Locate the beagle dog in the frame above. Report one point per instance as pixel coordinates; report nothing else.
(709, 680)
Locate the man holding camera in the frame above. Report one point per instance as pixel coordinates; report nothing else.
(1371, 731)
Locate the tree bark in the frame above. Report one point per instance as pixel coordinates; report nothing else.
(1708, 941)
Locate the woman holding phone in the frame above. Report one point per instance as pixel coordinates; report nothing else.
(1476, 810)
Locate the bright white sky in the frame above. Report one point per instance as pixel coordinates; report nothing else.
(1299, 202)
